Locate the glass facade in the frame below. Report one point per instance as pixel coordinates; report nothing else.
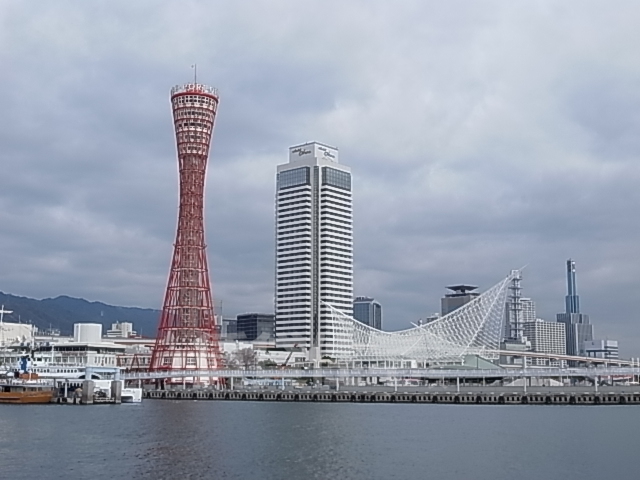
(336, 178)
(368, 311)
(255, 326)
(294, 178)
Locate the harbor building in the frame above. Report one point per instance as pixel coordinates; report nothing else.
(461, 295)
(314, 252)
(86, 349)
(368, 311)
(256, 326)
(578, 329)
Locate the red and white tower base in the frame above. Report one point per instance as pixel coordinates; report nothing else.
(188, 336)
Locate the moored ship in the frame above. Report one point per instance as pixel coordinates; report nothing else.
(26, 391)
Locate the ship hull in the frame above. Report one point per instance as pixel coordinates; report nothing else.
(39, 397)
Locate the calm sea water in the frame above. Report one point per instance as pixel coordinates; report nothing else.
(246, 440)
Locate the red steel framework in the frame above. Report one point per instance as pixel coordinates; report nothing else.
(188, 336)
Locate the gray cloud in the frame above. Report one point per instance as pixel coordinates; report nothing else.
(481, 137)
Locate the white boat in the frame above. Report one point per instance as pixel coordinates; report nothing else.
(46, 369)
(131, 395)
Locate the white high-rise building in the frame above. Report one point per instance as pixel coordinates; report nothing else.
(314, 251)
(546, 337)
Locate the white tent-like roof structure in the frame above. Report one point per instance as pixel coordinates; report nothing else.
(476, 328)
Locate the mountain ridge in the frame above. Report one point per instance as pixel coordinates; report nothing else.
(63, 311)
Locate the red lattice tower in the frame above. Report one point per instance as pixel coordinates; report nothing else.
(188, 336)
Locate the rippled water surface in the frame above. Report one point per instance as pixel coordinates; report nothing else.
(256, 440)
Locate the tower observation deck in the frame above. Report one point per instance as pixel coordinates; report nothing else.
(188, 336)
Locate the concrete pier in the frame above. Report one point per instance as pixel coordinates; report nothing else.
(557, 397)
(116, 391)
(88, 387)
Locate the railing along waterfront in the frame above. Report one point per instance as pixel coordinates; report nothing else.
(431, 373)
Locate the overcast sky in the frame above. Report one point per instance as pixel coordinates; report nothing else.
(483, 136)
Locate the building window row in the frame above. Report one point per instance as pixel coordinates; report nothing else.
(303, 222)
(345, 230)
(301, 245)
(283, 259)
(298, 200)
(293, 195)
(338, 249)
(303, 189)
(286, 276)
(294, 286)
(325, 288)
(327, 214)
(328, 251)
(341, 274)
(333, 261)
(283, 242)
(333, 208)
(336, 222)
(301, 292)
(329, 196)
(328, 244)
(291, 274)
(336, 178)
(333, 189)
(342, 277)
(282, 232)
(296, 214)
(299, 209)
(293, 178)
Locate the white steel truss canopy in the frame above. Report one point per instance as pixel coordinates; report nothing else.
(476, 328)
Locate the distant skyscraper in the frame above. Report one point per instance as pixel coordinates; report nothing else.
(368, 311)
(572, 301)
(578, 330)
(314, 251)
(462, 294)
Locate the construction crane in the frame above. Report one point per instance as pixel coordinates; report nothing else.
(284, 365)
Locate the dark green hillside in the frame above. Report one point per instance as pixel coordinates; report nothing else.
(62, 312)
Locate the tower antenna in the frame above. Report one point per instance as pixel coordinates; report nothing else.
(195, 73)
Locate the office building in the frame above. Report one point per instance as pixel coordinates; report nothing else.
(121, 330)
(255, 326)
(229, 329)
(578, 330)
(545, 337)
(314, 252)
(366, 310)
(528, 308)
(462, 294)
(602, 349)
